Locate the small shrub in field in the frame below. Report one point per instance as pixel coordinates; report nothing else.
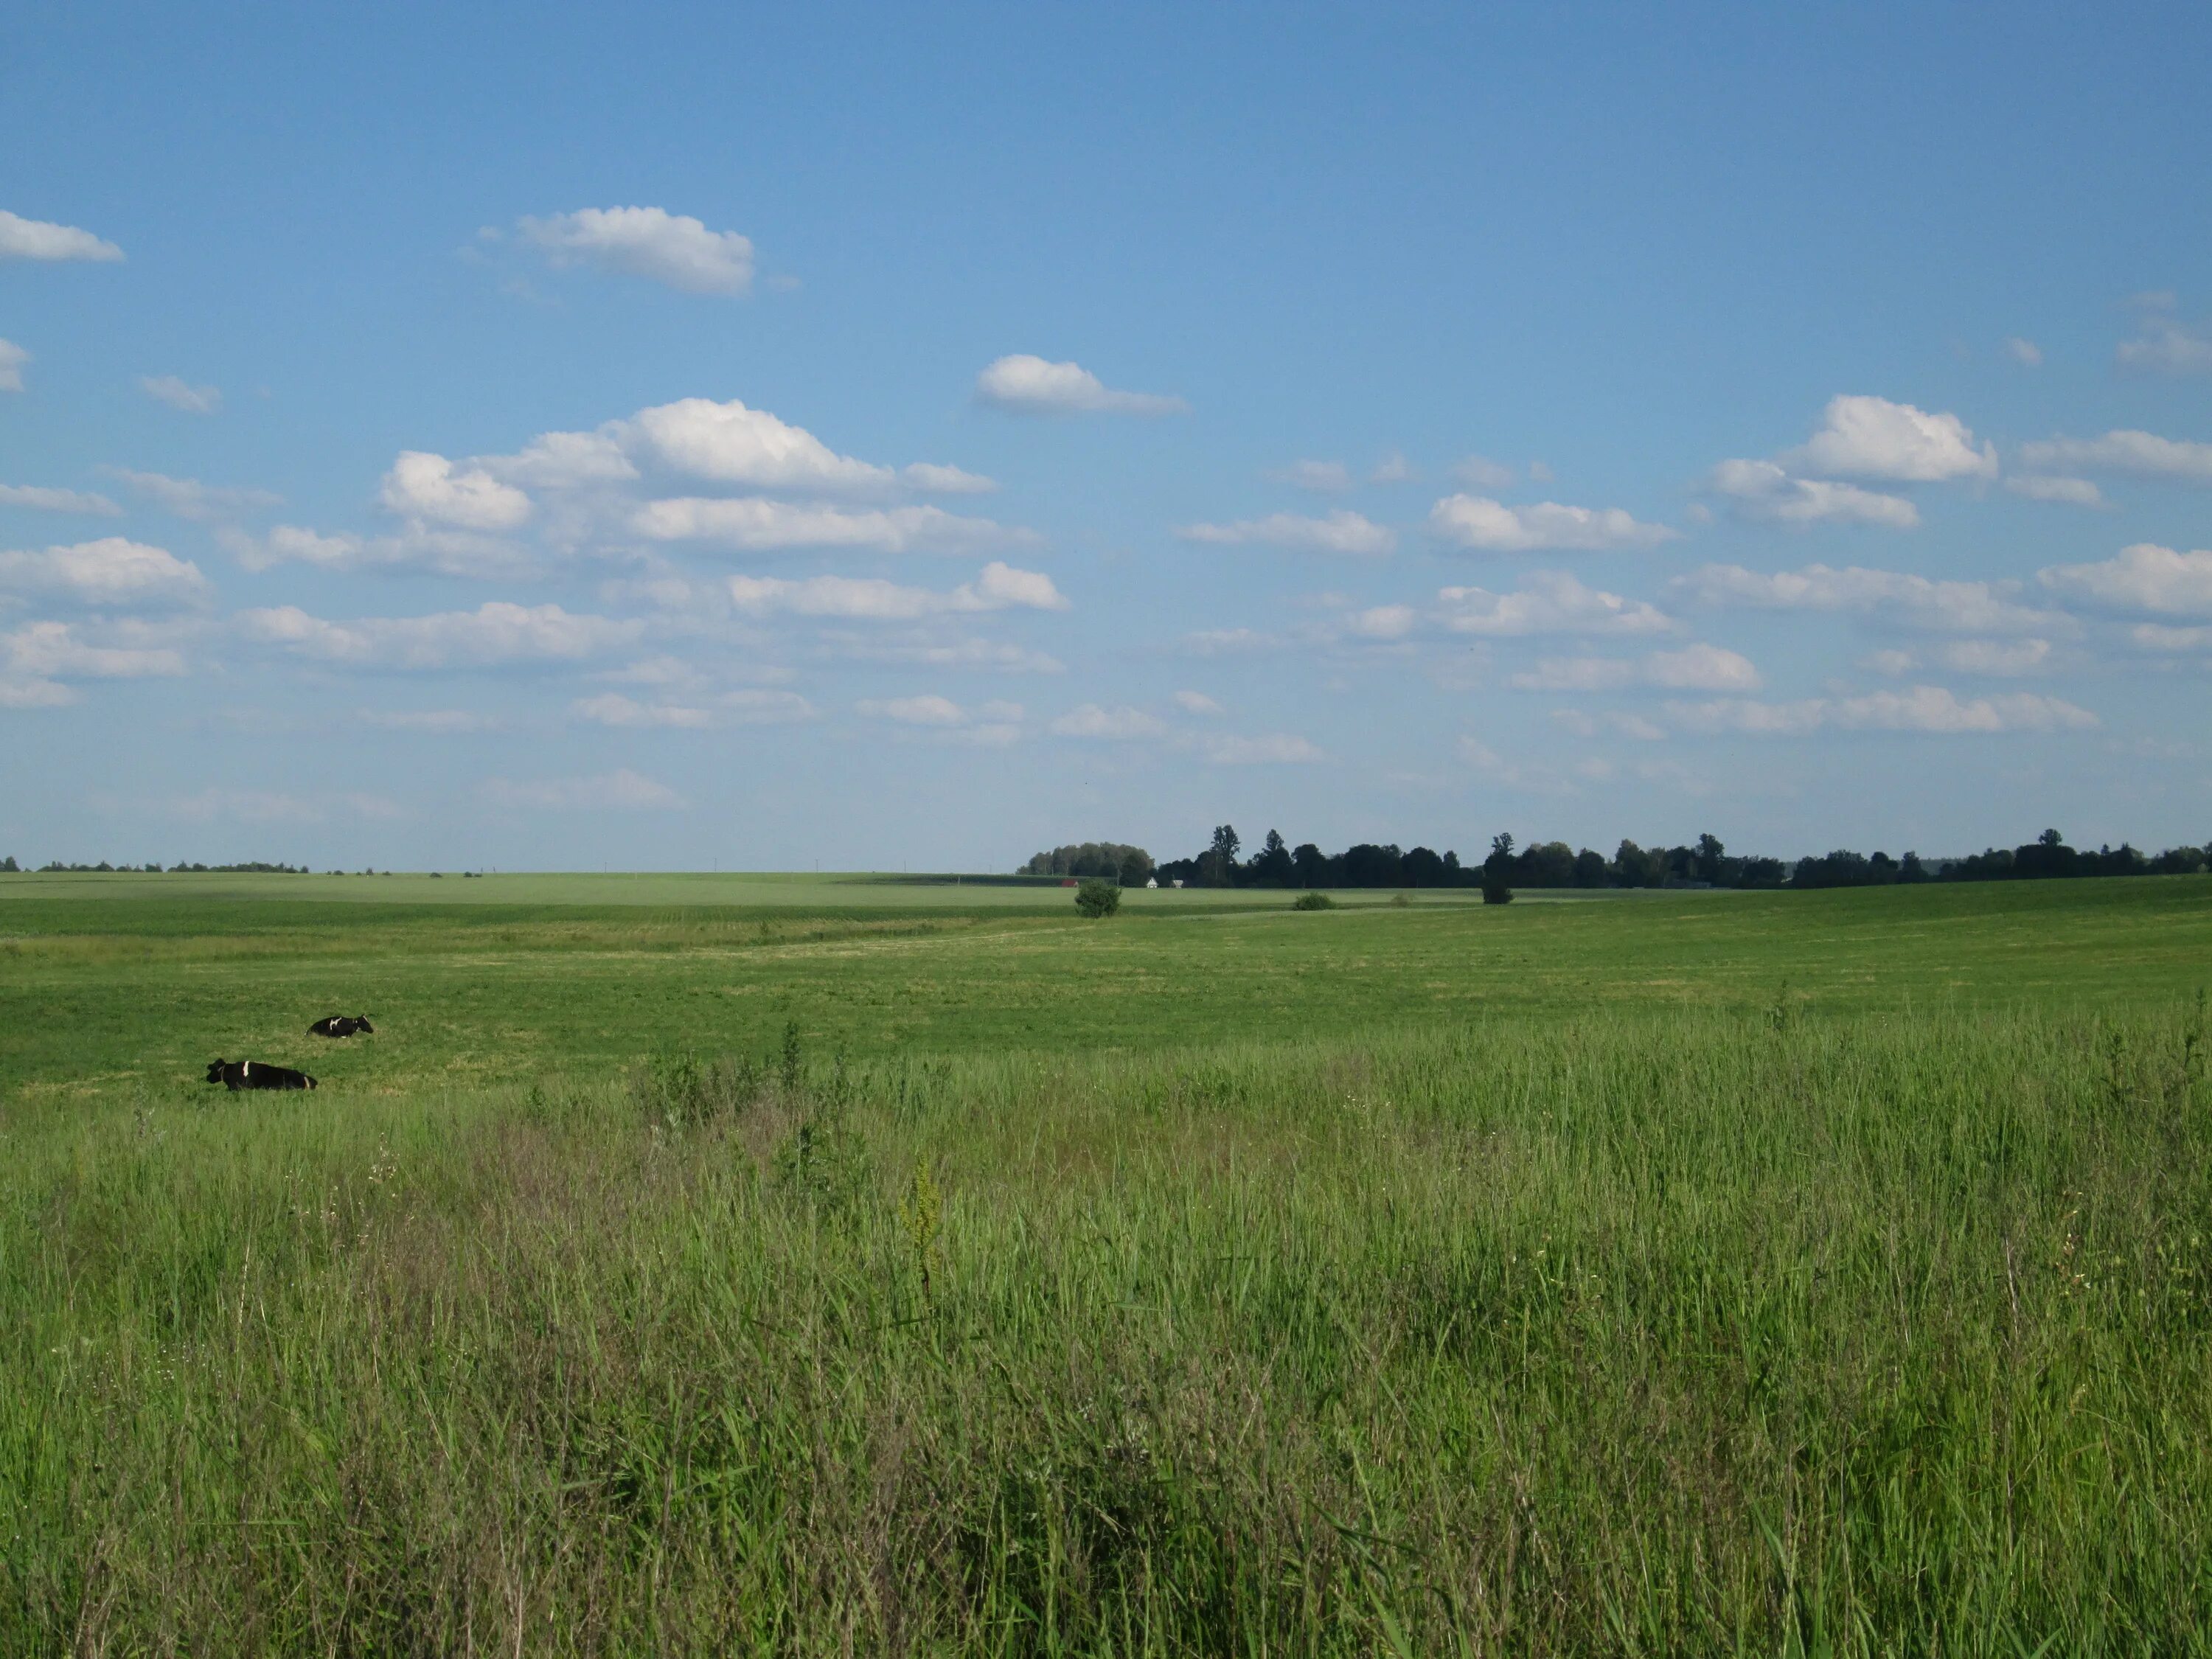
(1399, 901)
(1313, 902)
(824, 1165)
(1096, 898)
(682, 1091)
(1495, 890)
(793, 1063)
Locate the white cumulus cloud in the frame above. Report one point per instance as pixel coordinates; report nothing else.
(1932, 709)
(1547, 601)
(1577, 674)
(429, 489)
(1701, 668)
(1382, 622)
(2158, 636)
(613, 709)
(755, 525)
(1030, 386)
(999, 587)
(465, 553)
(1339, 532)
(1487, 525)
(35, 238)
(1963, 607)
(993, 655)
(1761, 489)
(1323, 477)
(111, 571)
(42, 499)
(31, 692)
(1121, 724)
(1864, 437)
(565, 460)
(2144, 577)
(751, 705)
(2074, 492)
(12, 359)
(1197, 703)
(2165, 344)
(188, 498)
(292, 544)
(652, 242)
(179, 393)
(1991, 659)
(934, 480)
(729, 443)
(496, 634)
(2023, 352)
(1997, 658)
(725, 443)
(1697, 667)
(2137, 454)
(54, 650)
(1481, 472)
(993, 725)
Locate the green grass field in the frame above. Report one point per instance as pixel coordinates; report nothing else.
(731, 1264)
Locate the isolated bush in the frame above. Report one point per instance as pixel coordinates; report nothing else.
(792, 1064)
(1096, 898)
(1495, 890)
(824, 1163)
(1313, 902)
(682, 1091)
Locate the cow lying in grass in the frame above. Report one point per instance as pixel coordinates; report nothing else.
(341, 1025)
(256, 1074)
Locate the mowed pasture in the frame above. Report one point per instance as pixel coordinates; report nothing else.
(138, 979)
(831, 1267)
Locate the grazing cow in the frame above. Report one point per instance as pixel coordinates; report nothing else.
(238, 1074)
(341, 1025)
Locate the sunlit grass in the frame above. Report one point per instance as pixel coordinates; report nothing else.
(1861, 1319)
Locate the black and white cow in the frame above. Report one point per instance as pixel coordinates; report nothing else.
(341, 1025)
(256, 1074)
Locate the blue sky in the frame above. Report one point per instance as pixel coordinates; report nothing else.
(548, 438)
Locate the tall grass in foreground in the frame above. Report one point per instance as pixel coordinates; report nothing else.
(1650, 1335)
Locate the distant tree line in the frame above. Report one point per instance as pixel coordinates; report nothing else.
(1553, 864)
(2044, 858)
(8, 867)
(1108, 860)
(1540, 864)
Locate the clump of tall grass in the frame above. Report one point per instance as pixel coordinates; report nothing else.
(1681, 1332)
(683, 1091)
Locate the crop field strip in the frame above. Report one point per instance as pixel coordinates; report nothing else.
(1687, 1274)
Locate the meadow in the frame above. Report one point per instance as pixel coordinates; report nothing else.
(729, 1264)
